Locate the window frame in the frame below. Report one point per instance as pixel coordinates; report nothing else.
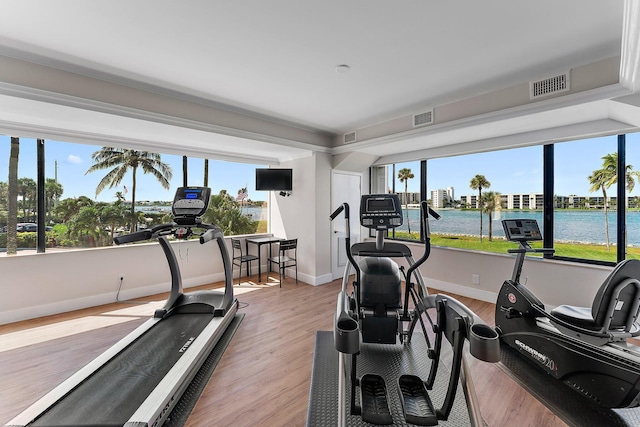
(548, 202)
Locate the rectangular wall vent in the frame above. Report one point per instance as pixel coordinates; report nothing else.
(422, 119)
(349, 137)
(549, 86)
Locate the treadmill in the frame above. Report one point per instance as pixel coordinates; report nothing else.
(138, 381)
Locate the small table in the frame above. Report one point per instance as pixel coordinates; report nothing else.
(259, 241)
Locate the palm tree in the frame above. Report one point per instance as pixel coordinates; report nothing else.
(610, 163)
(599, 180)
(12, 201)
(53, 190)
(223, 211)
(479, 182)
(120, 161)
(490, 201)
(604, 178)
(27, 187)
(112, 215)
(404, 175)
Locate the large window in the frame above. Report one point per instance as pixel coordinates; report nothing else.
(632, 218)
(404, 179)
(474, 192)
(572, 188)
(86, 205)
(585, 199)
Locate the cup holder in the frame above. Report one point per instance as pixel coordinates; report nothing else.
(346, 335)
(484, 343)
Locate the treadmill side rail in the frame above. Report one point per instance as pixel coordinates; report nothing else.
(158, 405)
(50, 399)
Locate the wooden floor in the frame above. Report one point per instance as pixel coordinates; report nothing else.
(263, 378)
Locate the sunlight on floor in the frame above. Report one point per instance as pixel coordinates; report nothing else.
(40, 334)
(250, 286)
(131, 310)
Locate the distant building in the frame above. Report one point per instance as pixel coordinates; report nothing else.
(442, 198)
(409, 198)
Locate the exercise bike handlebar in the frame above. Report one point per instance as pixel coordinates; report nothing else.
(531, 250)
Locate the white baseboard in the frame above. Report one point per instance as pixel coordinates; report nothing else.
(32, 312)
(466, 291)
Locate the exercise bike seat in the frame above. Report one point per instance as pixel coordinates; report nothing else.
(615, 306)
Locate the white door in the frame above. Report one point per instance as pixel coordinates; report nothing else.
(345, 187)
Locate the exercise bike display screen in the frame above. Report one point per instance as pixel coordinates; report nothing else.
(380, 211)
(517, 230)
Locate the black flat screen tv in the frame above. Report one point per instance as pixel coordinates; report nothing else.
(274, 179)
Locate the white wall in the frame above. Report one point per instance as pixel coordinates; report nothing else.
(305, 215)
(36, 285)
(554, 282)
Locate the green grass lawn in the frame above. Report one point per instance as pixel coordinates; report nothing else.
(499, 245)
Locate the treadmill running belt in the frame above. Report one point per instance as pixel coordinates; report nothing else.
(116, 390)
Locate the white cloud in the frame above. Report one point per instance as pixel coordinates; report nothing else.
(75, 160)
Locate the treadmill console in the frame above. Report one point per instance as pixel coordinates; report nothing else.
(521, 230)
(380, 211)
(191, 202)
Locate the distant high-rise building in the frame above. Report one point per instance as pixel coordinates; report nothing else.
(442, 198)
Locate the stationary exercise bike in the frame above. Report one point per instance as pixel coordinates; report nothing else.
(585, 347)
(379, 310)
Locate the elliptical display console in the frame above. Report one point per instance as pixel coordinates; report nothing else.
(380, 212)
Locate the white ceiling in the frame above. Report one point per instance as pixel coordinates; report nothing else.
(277, 58)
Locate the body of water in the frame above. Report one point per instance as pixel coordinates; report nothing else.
(584, 226)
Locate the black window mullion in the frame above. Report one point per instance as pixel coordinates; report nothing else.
(423, 192)
(621, 211)
(40, 190)
(547, 185)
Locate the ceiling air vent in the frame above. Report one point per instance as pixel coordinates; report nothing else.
(422, 119)
(549, 86)
(349, 137)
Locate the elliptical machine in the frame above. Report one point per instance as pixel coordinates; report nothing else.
(585, 347)
(379, 311)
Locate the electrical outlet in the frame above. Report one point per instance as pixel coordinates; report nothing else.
(475, 279)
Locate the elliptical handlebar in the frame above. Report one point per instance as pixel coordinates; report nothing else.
(425, 211)
(345, 208)
(340, 209)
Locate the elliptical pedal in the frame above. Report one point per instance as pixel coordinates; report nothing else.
(416, 403)
(374, 400)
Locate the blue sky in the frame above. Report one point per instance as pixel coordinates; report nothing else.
(509, 171)
(74, 160)
(520, 170)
